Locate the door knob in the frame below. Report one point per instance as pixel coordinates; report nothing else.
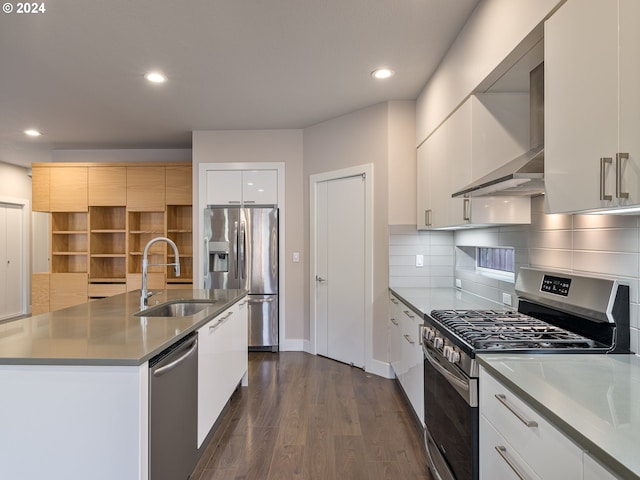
(320, 279)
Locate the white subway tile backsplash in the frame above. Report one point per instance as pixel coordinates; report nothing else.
(562, 239)
(624, 240)
(549, 258)
(610, 263)
(603, 245)
(605, 221)
(542, 221)
(442, 250)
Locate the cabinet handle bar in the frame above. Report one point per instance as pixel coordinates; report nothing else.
(603, 166)
(502, 451)
(619, 158)
(503, 400)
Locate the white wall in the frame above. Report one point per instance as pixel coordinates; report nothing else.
(249, 146)
(492, 32)
(402, 163)
(356, 139)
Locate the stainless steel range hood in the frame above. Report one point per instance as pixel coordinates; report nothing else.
(523, 175)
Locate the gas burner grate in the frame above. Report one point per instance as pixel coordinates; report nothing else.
(496, 330)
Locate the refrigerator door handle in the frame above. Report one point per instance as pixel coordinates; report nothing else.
(237, 235)
(243, 244)
(262, 300)
(205, 270)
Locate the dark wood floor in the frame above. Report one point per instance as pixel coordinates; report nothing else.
(308, 417)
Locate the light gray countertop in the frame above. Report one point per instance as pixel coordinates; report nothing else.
(423, 300)
(593, 399)
(105, 332)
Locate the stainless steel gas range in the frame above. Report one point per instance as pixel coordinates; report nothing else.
(557, 313)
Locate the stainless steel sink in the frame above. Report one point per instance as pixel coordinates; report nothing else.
(176, 308)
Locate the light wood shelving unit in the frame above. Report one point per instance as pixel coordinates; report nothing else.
(179, 229)
(98, 234)
(108, 256)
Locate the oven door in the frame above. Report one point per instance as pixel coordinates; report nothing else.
(451, 417)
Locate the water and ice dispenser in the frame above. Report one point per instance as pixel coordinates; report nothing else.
(218, 256)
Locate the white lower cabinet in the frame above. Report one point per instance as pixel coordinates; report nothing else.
(498, 459)
(395, 336)
(406, 353)
(531, 444)
(222, 362)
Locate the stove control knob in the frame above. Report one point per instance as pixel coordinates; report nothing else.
(438, 342)
(446, 351)
(453, 357)
(429, 333)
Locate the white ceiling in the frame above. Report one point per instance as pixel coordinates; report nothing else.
(76, 71)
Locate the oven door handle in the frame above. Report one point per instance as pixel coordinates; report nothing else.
(451, 378)
(466, 388)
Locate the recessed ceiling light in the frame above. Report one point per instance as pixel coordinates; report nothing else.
(382, 73)
(32, 132)
(155, 77)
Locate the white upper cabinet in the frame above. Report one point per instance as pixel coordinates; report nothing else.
(224, 187)
(482, 134)
(592, 106)
(237, 187)
(260, 187)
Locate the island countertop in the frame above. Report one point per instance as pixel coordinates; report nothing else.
(105, 332)
(593, 399)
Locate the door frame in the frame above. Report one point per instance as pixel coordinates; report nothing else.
(25, 207)
(365, 170)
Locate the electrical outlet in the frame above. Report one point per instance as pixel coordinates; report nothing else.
(419, 260)
(506, 299)
(296, 257)
(458, 283)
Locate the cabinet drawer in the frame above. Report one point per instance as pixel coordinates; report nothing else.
(498, 459)
(549, 453)
(106, 289)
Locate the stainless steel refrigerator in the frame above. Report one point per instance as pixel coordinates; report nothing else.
(242, 246)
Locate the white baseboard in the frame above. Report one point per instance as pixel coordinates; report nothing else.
(382, 369)
(295, 345)
(376, 367)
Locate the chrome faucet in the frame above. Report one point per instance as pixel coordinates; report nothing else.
(144, 294)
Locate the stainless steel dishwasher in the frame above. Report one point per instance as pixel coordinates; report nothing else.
(173, 410)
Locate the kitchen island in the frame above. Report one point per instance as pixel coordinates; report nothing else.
(75, 384)
(592, 399)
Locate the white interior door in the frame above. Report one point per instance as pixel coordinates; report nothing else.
(340, 269)
(11, 261)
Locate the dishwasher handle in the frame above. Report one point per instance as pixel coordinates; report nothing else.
(173, 363)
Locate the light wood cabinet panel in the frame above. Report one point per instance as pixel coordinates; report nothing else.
(40, 186)
(107, 186)
(146, 188)
(67, 289)
(39, 293)
(68, 189)
(100, 290)
(155, 281)
(179, 186)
